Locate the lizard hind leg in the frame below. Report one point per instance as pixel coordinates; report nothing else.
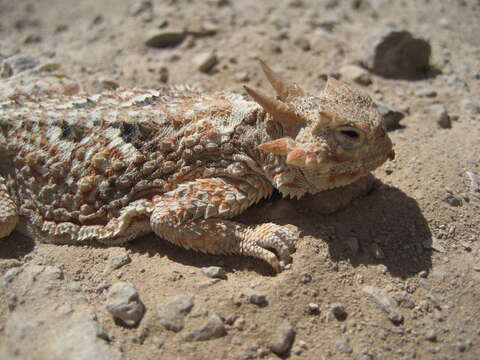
(195, 218)
(8, 211)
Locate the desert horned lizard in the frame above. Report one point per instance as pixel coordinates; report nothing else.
(114, 166)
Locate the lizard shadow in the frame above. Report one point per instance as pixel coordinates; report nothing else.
(386, 227)
(15, 246)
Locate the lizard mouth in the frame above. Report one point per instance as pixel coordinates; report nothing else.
(336, 179)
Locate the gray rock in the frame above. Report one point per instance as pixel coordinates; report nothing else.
(313, 309)
(440, 115)
(116, 259)
(171, 315)
(208, 283)
(258, 299)
(215, 272)
(124, 303)
(426, 92)
(434, 243)
(17, 64)
(283, 339)
(391, 116)
(205, 61)
(431, 335)
(384, 302)
(356, 74)
(50, 317)
(343, 345)
(397, 54)
(213, 328)
(306, 278)
(165, 38)
(339, 311)
(452, 200)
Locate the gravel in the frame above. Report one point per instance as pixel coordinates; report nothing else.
(50, 317)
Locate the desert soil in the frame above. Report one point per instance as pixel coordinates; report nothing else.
(393, 275)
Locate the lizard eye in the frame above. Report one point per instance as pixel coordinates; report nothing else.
(349, 137)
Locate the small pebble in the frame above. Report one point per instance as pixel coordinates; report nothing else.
(116, 259)
(205, 61)
(384, 302)
(123, 303)
(303, 43)
(440, 115)
(426, 92)
(356, 74)
(282, 339)
(339, 311)
(313, 309)
(215, 272)
(171, 314)
(306, 278)
(431, 335)
(452, 200)
(213, 328)
(390, 116)
(344, 346)
(165, 38)
(258, 299)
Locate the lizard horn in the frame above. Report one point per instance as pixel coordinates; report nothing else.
(285, 91)
(280, 111)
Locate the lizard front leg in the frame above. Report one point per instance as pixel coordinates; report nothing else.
(8, 211)
(195, 214)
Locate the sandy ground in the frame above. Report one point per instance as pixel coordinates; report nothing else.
(415, 236)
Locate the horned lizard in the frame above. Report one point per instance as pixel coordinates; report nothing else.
(114, 166)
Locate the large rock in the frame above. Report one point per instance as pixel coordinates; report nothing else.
(398, 54)
(50, 318)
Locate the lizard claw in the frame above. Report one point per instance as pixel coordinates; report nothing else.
(261, 240)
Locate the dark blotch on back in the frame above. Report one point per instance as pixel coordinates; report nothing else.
(133, 133)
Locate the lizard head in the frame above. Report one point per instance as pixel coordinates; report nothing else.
(329, 140)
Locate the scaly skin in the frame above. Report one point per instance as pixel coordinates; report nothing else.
(117, 165)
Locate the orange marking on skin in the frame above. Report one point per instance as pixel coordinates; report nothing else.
(296, 156)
